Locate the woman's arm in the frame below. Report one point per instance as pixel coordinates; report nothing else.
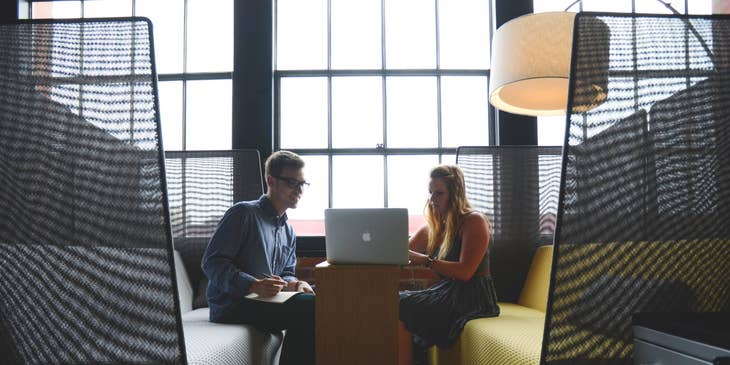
(417, 246)
(474, 242)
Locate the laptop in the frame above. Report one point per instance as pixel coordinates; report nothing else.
(366, 236)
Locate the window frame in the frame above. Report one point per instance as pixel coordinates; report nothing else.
(383, 73)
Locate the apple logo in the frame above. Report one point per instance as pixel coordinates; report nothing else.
(366, 237)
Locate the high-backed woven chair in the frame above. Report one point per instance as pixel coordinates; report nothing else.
(642, 222)
(201, 186)
(86, 261)
(517, 188)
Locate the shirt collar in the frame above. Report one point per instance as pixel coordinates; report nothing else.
(270, 212)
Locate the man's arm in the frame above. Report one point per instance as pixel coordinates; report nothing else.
(219, 258)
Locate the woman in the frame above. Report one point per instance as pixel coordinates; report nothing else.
(454, 243)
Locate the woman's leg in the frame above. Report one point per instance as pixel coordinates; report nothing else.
(405, 345)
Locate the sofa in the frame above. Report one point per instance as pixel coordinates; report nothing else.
(215, 343)
(515, 336)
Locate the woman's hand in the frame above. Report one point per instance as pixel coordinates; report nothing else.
(268, 287)
(417, 258)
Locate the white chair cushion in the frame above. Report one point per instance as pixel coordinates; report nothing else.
(184, 287)
(209, 343)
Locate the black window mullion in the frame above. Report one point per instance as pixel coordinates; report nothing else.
(386, 72)
(330, 159)
(373, 151)
(196, 76)
(384, 98)
(184, 121)
(329, 141)
(491, 111)
(185, 82)
(437, 36)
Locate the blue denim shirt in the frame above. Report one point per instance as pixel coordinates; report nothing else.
(250, 240)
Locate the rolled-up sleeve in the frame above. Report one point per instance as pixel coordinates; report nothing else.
(219, 261)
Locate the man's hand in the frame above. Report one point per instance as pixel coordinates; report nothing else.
(268, 287)
(303, 286)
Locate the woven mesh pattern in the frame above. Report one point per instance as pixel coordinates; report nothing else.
(642, 225)
(514, 338)
(86, 270)
(517, 188)
(209, 343)
(201, 186)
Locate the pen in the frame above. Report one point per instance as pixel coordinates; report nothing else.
(268, 276)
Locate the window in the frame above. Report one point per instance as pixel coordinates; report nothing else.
(551, 130)
(193, 42)
(373, 94)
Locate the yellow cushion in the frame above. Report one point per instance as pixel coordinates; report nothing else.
(515, 337)
(535, 292)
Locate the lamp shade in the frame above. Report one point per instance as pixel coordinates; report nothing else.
(531, 66)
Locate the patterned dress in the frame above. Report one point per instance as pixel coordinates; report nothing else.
(437, 315)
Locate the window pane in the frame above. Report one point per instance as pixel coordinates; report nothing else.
(411, 108)
(408, 178)
(208, 115)
(308, 217)
(357, 112)
(464, 34)
(301, 34)
(58, 9)
(171, 114)
(356, 34)
(551, 130)
(167, 20)
(617, 6)
(107, 8)
(303, 111)
(703, 6)
(357, 181)
(464, 112)
(541, 6)
(410, 36)
(448, 159)
(210, 36)
(654, 7)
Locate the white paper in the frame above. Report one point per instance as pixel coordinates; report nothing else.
(280, 297)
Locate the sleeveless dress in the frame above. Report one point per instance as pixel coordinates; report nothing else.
(437, 315)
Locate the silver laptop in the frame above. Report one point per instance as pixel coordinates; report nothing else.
(366, 236)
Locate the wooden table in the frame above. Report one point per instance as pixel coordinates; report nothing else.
(357, 314)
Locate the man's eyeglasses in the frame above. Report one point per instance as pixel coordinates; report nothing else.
(293, 183)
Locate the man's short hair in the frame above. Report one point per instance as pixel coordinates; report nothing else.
(280, 160)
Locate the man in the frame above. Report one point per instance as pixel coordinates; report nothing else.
(253, 250)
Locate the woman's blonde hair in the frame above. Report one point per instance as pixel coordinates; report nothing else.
(447, 227)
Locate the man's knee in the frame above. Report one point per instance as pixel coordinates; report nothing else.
(302, 309)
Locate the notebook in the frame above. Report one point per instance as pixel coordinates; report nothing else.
(366, 236)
